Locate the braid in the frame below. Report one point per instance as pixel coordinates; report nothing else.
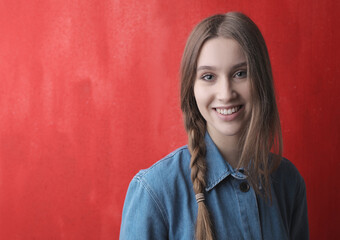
(197, 149)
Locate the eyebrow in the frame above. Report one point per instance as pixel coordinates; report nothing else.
(242, 64)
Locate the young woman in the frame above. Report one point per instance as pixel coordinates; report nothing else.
(225, 184)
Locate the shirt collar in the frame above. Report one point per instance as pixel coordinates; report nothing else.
(217, 168)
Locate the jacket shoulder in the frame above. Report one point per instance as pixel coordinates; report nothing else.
(170, 166)
(287, 172)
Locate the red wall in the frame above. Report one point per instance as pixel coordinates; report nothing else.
(89, 95)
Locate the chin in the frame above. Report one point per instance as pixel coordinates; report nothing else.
(230, 133)
(226, 132)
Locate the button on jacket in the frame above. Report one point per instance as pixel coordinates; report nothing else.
(160, 202)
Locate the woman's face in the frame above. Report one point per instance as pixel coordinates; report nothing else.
(222, 88)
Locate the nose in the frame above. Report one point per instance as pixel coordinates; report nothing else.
(224, 90)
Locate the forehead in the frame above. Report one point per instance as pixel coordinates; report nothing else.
(221, 52)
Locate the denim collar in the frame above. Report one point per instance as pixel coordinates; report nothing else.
(217, 168)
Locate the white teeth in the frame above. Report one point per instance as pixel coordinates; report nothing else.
(227, 111)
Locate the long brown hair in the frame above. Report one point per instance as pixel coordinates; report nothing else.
(263, 131)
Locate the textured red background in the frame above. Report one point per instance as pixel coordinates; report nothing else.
(89, 95)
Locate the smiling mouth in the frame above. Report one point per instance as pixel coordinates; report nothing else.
(228, 111)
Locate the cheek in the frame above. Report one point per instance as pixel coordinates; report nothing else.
(247, 96)
(245, 92)
(200, 99)
(200, 96)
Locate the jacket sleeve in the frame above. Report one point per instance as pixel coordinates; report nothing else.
(299, 224)
(143, 216)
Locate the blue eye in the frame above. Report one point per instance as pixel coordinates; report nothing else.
(241, 74)
(207, 77)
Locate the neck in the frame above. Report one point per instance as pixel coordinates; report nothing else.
(228, 147)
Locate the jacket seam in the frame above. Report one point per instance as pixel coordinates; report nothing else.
(154, 198)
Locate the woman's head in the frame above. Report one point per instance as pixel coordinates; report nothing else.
(222, 89)
(240, 28)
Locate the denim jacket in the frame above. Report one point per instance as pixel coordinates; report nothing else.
(160, 202)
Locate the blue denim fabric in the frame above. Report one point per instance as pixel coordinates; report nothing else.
(160, 202)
